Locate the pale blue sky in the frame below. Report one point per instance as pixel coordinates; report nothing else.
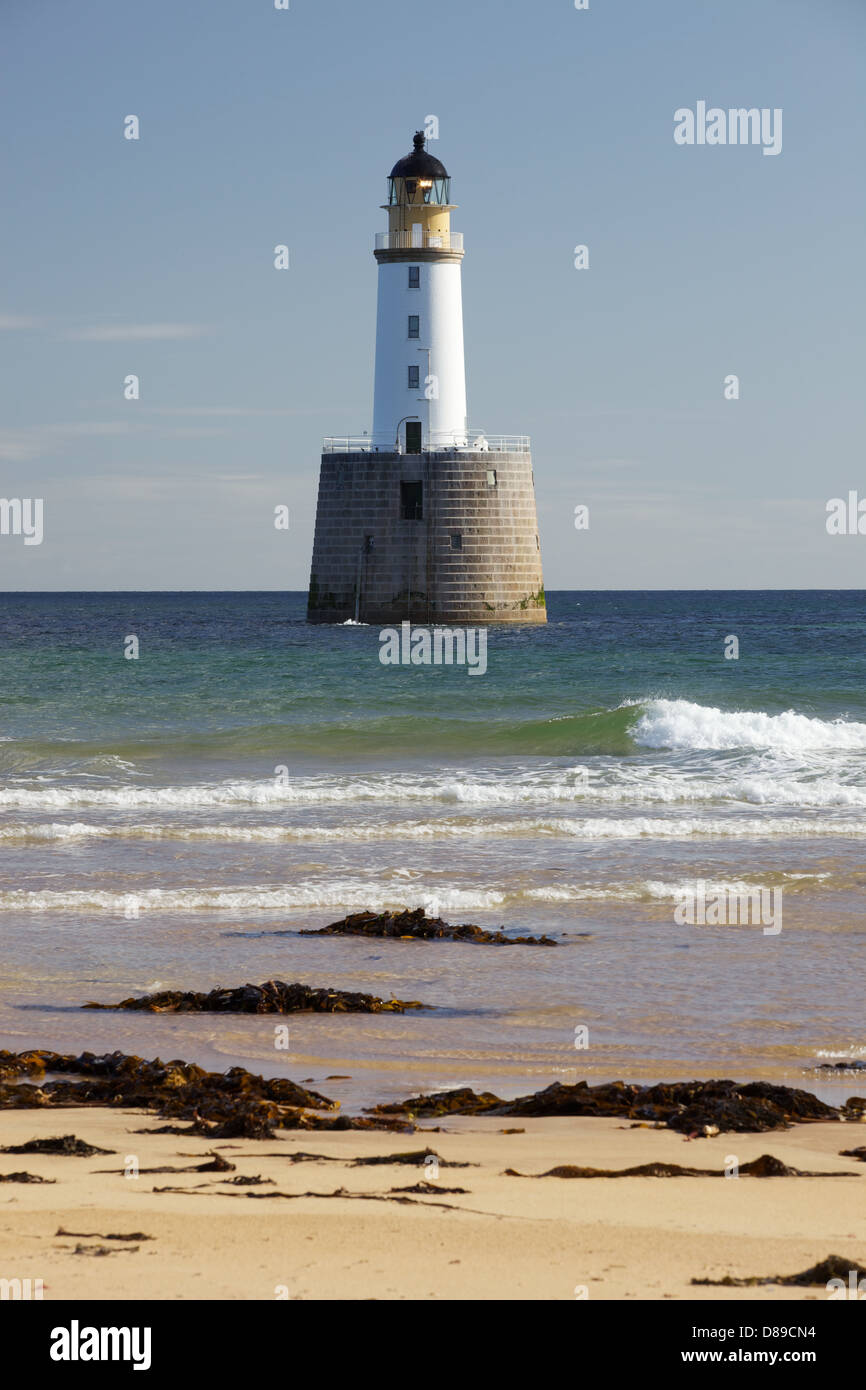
(261, 126)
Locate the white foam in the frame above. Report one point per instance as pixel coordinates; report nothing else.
(227, 793)
(354, 894)
(348, 894)
(590, 828)
(611, 784)
(682, 724)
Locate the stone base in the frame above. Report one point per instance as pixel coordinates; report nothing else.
(372, 563)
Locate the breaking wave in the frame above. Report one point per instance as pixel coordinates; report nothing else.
(629, 728)
(684, 725)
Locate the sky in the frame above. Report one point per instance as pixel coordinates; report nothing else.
(260, 127)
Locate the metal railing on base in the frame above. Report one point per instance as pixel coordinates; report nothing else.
(475, 441)
(418, 239)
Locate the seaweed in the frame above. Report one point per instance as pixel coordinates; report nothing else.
(217, 1164)
(252, 1126)
(691, 1107)
(300, 1156)
(104, 1250)
(417, 926)
(23, 1177)
(272, 997)
(340, 1194)
(415, 1156)
(767, 1166)
(230, 1104)
(432, 1189)
(461, 1101)
(834, 1267)
(67, 1144)
(244, 1124)
(394, 1124)
(253, 1180)
(185, 1131)
(97, 1235)
(236, 1104)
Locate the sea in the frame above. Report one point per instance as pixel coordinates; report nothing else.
(172, 819)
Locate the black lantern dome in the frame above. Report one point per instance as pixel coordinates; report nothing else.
(419, 177)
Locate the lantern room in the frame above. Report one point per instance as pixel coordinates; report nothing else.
(419, 178)
(419, 213)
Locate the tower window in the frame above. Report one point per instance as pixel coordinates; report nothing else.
(414, 277)
(414, 326)
(456, 540)
(412, 501)
(414, 378)
(491, 477)
(368, 544)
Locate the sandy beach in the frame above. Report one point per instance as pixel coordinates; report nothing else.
(506, 1238)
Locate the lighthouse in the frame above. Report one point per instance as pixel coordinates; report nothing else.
(425, 518)
(419, 292)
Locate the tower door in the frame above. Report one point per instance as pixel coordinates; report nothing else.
(413, 436)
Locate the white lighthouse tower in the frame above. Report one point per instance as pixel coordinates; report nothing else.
(420, 389)
(425, 519)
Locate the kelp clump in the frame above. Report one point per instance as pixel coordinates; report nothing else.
(67, 1145)
(417, 926)
(273, 997)
(687, 1106)
(235, 1104)
(834, 1267)
(236, 1101)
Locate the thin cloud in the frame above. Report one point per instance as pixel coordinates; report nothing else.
(190, 432)
(136, 332)
(88, 428)
(237, 410)
(9, 323)
(19, 448)
(628, 412)
(174, 486)
(605, 465)
(34, 441)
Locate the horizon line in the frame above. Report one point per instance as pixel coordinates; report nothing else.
(773, 589)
